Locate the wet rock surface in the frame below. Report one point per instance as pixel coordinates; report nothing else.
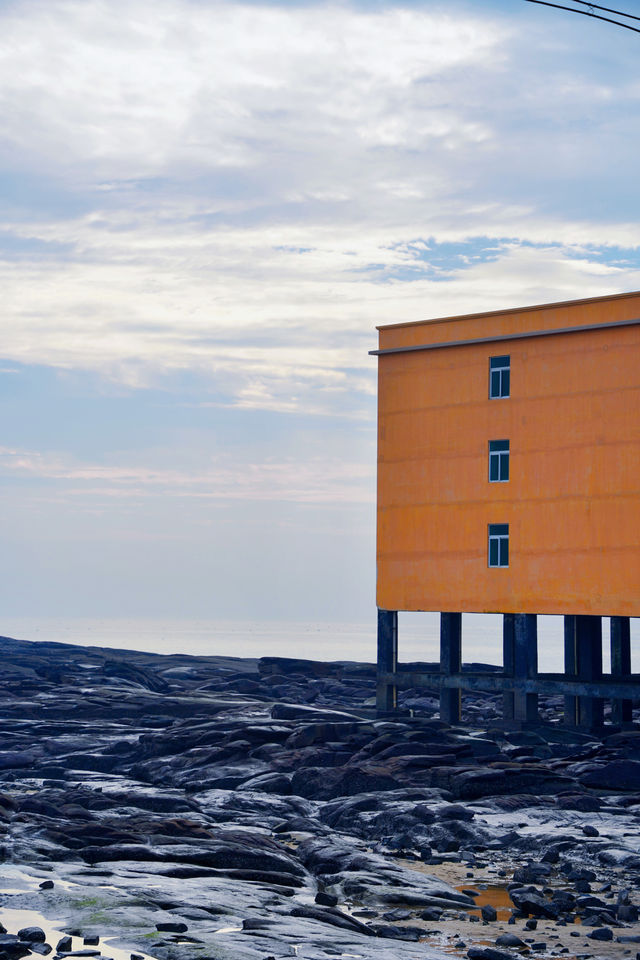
(223, 808)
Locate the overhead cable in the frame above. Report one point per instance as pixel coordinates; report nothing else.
(596, 6)
(590, 13)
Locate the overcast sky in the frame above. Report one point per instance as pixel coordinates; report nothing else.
(208, 207)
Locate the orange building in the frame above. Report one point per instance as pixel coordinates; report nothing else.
(509, 461)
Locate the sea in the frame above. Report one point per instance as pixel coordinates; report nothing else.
(418, 637)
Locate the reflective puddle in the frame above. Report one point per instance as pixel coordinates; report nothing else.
(15, 920)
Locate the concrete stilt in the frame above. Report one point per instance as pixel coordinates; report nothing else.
(386, 693)
(450, 663)
(570, 668)
(508, 663)
(525, 665)
(621, 665)
(589, 655)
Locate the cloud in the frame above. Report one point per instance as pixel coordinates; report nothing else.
(243, 189)
(132, 90)
(314, 480)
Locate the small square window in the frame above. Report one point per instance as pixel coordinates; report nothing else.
(498, 544)
(499, 377)
(498, 461)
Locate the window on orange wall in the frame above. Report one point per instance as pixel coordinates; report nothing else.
(499, 377)
(498, 544)
(498, 461)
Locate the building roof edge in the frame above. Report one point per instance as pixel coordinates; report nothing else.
(503, 312)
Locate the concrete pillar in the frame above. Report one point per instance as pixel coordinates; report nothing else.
(386, 693)
(570, 669)
(508, 663)
(525, 665)
(589, 656)
(621, 665)
(450, 663)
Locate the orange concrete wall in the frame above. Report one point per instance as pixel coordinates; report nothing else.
(573, 499)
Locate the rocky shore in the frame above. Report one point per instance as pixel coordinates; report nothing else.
(210, 807)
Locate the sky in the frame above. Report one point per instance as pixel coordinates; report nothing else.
(207, 208)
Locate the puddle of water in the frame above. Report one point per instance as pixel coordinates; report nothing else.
(14, 920)
(228, 930)
(18, 882)
(492, 896)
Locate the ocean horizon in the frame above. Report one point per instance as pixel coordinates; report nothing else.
(313, 640)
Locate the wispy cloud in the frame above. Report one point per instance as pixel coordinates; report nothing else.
(240, 188)
(316, 480)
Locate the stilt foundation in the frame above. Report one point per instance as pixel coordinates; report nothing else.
(583, 685)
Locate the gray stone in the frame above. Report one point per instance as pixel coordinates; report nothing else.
(32, 935)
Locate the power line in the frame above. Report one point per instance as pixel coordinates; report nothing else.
(596, 6)
(590, 13)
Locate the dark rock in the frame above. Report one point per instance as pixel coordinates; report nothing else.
(279, 783)
(532, 873)
(423, 813)
(431, 914)
(533, 904)
(12, 947)
(584, 802)
(563, 900)
(256, 923)
(333, 917)
(231, 850)
(624, 774)
(64, 945)
(318, 783)
(46, 885)
(32, 935)
(392, 916)
(602, 933)
(472, 783)
(588, 901)
(590, 831)
(87, 952)
(582, 886)
(171, 926)
(552, 855)
(487, 953)
(391, 932)
(453, 811)
(510, 940)
(325, 899)
(627, 912)
(581, 874)
(17, 759)
(136, 674)
(289, 665)
(489, 913)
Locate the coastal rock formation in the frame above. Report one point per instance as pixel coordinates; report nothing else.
(218, 807)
